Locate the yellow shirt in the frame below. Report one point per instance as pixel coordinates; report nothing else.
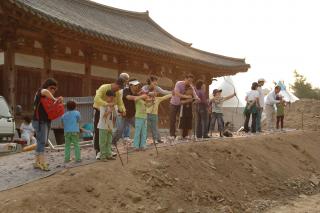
(99, 99)
(153, 108)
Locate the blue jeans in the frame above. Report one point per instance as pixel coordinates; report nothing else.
(258, 122)
(153, 125)
(120, 129)
(219, 118)
(202, 120)
(140, 133)
(126, 130)
(42, 133)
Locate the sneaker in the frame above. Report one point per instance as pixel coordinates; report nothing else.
(114, 154)
(111, 158)
(159, 141)
(98, 156)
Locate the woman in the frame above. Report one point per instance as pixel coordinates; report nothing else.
(41, 122)
(252, 99)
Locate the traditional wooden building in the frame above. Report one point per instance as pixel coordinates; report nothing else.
(84, 44)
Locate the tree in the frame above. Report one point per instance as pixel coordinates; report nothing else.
(303, 89)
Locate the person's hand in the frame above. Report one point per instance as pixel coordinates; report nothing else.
(144, 96)
(123, 114)
(110, 104)
(189, 96)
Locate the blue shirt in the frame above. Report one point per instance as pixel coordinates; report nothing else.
(70, 121)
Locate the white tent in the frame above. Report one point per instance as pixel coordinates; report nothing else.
(232, 108)
(287, 95)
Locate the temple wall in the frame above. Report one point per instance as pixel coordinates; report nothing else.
(28, 61)
(104, 72)
(65, 66)
(1, 58)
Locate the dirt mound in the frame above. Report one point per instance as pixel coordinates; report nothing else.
(306, 108)
(233, 175)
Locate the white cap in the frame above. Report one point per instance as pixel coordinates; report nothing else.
(134, 82)
(124, 76)
(261, 80)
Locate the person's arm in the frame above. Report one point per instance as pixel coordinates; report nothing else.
(165, 97)
(47, 93)
(229, 97)
(120, 103)
(272, 99)
(162, 91)
(189, 100)
(136, 98)
(100, 93)
(195, 96)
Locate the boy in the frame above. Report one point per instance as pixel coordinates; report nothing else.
(280, 111)
(217, 115)
(70, 121)
(106, 125)
(152, 117)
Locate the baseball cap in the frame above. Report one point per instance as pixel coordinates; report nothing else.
(124, 76)
(261, 80)
(134, 82)
(215, 91)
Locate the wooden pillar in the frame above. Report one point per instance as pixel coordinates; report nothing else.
(48, 45)
(87, 82)
(208, 82)
(9, 68)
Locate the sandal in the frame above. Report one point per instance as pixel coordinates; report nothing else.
(44, 167)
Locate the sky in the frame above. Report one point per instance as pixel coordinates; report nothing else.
(275, 37)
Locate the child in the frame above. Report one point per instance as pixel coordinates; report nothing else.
(140, 133)
(27, 131)
(152, 117)
(185, 123)
(280, 111)
(71, 120)
(217, 115)
(106, 125)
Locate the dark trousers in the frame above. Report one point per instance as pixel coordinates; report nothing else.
(219, 118)
(253, 122)
(126, 122)
(202, 120)
(280, 121)
(174, 111)
(96, 130)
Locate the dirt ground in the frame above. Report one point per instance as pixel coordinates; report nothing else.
(308, 109)
(261, 173)
(231, 175)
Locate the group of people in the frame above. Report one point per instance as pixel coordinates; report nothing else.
(256, 104)
(128, 103)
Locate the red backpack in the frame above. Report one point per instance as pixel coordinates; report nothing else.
(53, 109)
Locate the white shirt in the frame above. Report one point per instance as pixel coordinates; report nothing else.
(27, 128)
(271, 99)
(106, 122)
(261, 97)
(252, 95)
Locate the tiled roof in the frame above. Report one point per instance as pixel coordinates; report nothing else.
(123, 27)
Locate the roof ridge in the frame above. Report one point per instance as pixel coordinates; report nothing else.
(112, 9)
(217, 55)
(155, 24)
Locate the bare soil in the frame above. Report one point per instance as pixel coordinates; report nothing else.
(231, 175)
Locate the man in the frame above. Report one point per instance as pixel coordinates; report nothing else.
(202, 110)
(261, 82)
(270, 107)
(175, 102)
(99, 100)
(129, 96)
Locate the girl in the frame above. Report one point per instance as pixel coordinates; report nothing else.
(152, 87)
(185, 123)
(252, 99)
(41, 122)
(280, 111)
(27, 131)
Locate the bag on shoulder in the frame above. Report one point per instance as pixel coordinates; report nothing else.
(54, 110)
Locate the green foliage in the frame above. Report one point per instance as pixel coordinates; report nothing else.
(303, 89)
